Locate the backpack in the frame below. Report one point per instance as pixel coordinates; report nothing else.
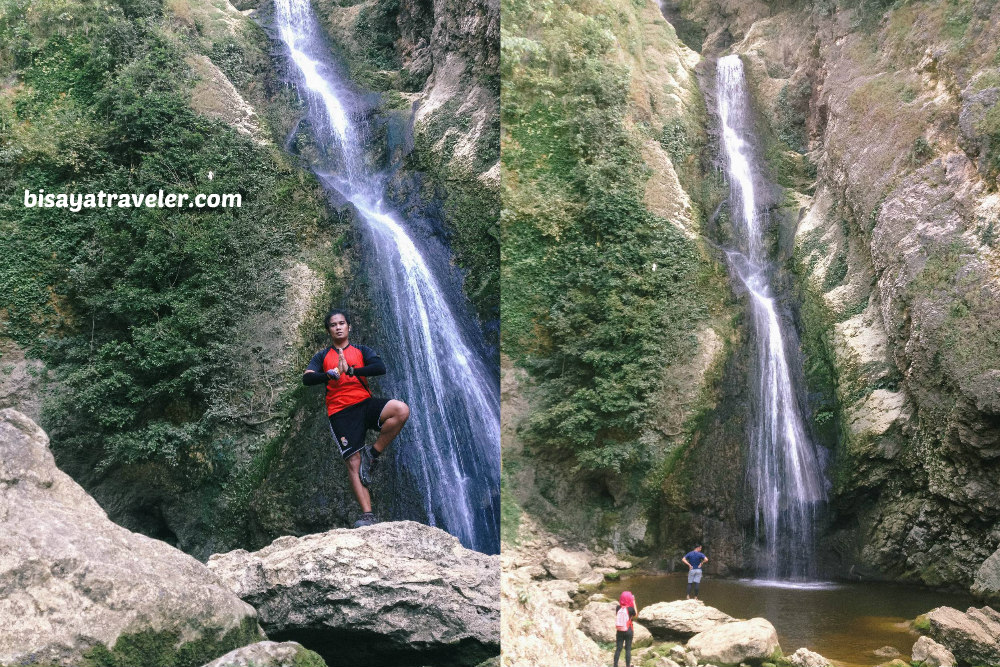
(622, 621)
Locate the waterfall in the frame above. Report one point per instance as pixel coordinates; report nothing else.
(784, 465)
(449, 452)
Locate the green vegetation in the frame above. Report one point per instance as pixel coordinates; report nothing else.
(652, 657)
(145, 316)
(791, 110)
(599, 294)
(164, 649)
(510, 511)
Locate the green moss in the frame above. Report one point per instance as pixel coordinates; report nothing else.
(510, 512)
(164, 649)
(306, 658)
(921, 624)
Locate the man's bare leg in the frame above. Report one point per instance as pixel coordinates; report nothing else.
(353, 474)
(393, 416)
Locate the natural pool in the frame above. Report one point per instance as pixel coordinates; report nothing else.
(844, 622)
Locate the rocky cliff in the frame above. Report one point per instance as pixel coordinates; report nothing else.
(890, 244)
(877, 125)
(617, 319)
(171, 346)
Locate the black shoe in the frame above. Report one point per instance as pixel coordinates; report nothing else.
(369, 464)
(367, 519)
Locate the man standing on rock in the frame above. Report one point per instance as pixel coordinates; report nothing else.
(694, 560)
(352, 409)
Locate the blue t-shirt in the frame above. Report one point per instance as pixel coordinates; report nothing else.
(695, 558)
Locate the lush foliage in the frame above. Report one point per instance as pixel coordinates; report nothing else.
(141, 313)
(599, 294)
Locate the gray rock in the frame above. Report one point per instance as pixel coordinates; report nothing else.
(986, 585)
(806, 658)
(70, 578)
(681, 618)
(731, 643)
(972, 637)
(597, 621)
(568, 565)
(388, 593)
(931, 654)
(269, 654)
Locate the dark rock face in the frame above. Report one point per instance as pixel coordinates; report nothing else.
(396, 593)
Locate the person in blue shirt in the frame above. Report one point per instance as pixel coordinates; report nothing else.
(694, 560)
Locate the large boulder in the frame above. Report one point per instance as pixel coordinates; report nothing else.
(986, 585)
(681, 619)
(733, 643)
(270, 654)
(597, 620)
(973, 637)
(392, 593)
(568, 565)
(73, 583)
(931, 654)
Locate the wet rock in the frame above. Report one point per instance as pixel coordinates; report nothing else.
(70, 578)
(972, 637)
(898, 662)
(730, 643)
(931, 654)
(597, 621)
(568, 565)
(391, 593)
(270, 654)
(887, 652)
(806, 658)
(681, 618)
(986, 585)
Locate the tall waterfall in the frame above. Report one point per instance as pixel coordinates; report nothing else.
(785, 468)
(449, 452)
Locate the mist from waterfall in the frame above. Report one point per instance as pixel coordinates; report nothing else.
(784, 465)
(448, 454)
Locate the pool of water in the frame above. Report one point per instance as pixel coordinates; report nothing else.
(844, 622)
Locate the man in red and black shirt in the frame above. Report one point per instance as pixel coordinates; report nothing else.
(352, 409)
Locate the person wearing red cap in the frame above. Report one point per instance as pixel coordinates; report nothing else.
(624, 614)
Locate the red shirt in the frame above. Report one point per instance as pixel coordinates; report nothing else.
(348, 390)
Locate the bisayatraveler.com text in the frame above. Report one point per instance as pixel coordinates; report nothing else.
(78, 201)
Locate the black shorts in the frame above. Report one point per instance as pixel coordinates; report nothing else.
(348, 426)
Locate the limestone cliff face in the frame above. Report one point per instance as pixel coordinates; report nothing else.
(663, 117)
(895, 255)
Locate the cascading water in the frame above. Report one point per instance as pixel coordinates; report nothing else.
(785, 468)
(449, 452)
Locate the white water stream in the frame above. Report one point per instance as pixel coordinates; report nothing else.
(449, 452)
(784, 464)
